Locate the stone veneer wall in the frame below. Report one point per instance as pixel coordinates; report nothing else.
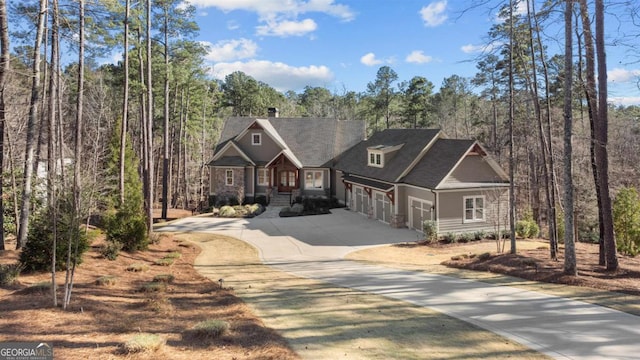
(222, 190)
(397, 221)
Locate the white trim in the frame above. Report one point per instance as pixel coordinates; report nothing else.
(226, 177)
(492, 187)
(313, 179)
(266, 176)
(378, 158)
(226, 147)
(410, 212)
(385, 200)
(494, 166)
(267, 128)
(474, 209)
(253, 137)
(419, 157)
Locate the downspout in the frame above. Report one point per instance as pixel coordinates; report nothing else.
(434, 212)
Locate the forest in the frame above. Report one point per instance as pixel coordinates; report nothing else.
(84, 141)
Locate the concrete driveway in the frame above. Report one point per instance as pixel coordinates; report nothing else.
(314, 247)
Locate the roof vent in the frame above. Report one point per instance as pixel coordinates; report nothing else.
(273, 112)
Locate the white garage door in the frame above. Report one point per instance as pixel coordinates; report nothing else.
(419, 211)
(382, 207)
(360, 200)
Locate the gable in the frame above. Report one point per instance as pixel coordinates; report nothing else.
(472, 168)
(408, 146)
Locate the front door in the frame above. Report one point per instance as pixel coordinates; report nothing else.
(286, 180)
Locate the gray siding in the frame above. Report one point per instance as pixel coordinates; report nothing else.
(450, 211)
(472, 168)
(259, 153)
(402, 198)
(314, 191)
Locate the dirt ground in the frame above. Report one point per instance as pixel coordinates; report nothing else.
(274, 315)
(102, 318)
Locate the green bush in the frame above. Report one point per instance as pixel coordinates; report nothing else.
(107, 280)
(465, 237)
(164, 278)
(227, 211)
(626, 221)
(143, 343)
(9, 273)
(527, 229)
(430, 230)
(36, 255)
(210, 329)
(111, 250)
(479, 235)
(450, 238)
(127, 226)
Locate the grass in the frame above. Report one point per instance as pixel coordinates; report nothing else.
(164, 278)
(173, 255)
(41, 287)
(164, 261)
(107, 280)
(143, 342)
(209, 329)
(138, 267)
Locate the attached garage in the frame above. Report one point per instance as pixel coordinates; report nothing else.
(382, 207)
(419, 211)
(360, 200)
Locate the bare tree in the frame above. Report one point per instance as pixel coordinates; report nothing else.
(4, 71)
(125, 102)
(149, 127)
(602, 134)
(512, 162)
(570, 267)
(25, 208)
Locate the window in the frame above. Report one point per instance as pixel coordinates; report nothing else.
(375, 159)
(263, 177)
(473, 208)
(228, 179)
(313, 180)
(256, 139)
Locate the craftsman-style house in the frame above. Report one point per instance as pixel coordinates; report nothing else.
(399, 176)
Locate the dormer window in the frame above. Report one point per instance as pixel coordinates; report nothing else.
(256, 139)
(376, 159)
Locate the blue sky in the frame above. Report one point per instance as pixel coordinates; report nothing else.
(341, 44)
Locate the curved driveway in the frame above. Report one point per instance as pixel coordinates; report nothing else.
(314, 247)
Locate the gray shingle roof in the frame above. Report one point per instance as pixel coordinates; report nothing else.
(441, 158)
(314, 141)
(230, 161)
(354, 160)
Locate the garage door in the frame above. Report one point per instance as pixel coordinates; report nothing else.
(360, 200)
(382, 207)
(419, 210)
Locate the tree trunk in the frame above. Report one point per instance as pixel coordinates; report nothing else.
(570, 267)
(25, 209)
(602, 134)
(165, 162)
(512, 162)
(125, 103)
(149, 124)
(4, 71)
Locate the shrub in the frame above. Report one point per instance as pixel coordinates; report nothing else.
(449, 238)
(527, 229)
(478, 235)
(143, 343)
(626, 221)
(38, 288)
(484, 256)
(465, 237)
(153, 287)
(164, 278)
(9, 273)
(138, 267)
(227, 211)
(210, 329)
(173, 255)
(430, 231)
(111, 250)
(233, 201)
(36, 255)
(107, 280)
(164, 261)
(128, 227)
(262, 200)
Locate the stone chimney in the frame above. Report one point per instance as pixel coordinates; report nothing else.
(273, 112)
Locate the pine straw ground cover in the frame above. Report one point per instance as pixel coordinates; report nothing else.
(114, 312)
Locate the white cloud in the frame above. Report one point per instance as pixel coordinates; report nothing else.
(370, 59)
(293, 7)
(418, 57)
(625, 100)
(233, 25)
(287, 28)
(434, 13)
(620, 75)
(280, 76)
(229, 50)
(483, 48)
